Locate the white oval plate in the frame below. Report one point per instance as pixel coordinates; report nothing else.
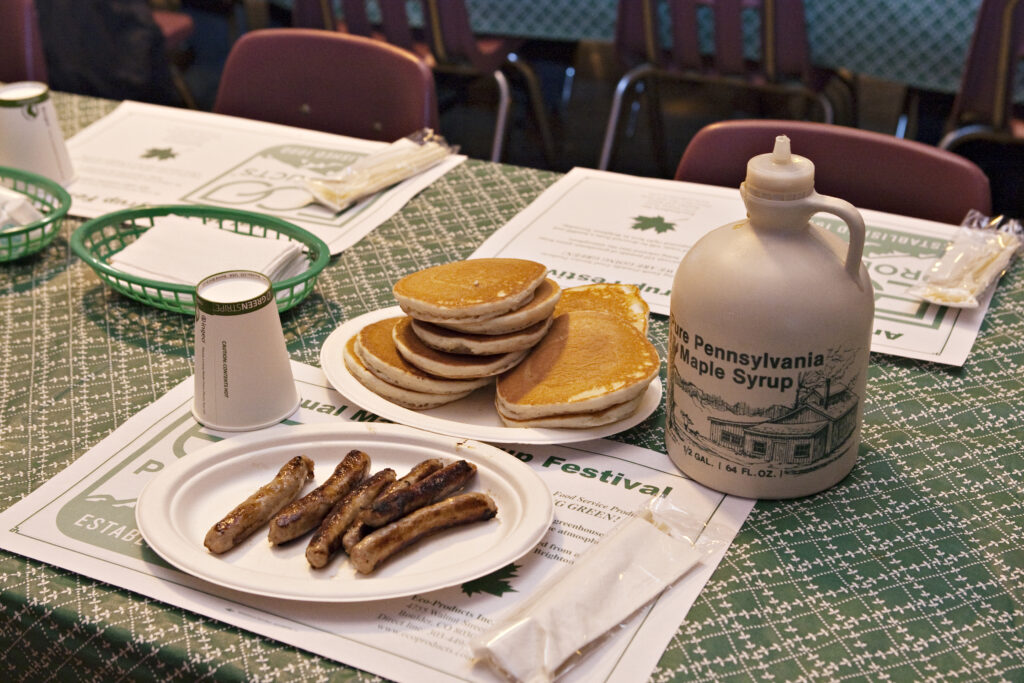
(473, 417)
(177, 508)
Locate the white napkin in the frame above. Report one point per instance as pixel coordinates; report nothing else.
(629, 567)
(185, 250)
(16, 209)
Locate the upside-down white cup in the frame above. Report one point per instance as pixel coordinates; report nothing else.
(243, 375)
(30, 135)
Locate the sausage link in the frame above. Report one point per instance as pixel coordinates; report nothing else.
(327, 539)
(419, 471)
(386, 541)
(356, 531)
(257, 509)
(430, 489)
(307, 512)
(358, 528)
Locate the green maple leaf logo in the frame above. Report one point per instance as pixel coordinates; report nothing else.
(495, 583)
(656, 223)
(160, 154)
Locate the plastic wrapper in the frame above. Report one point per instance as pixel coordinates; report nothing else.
(403, 159)
(573, 611)
(977, 256)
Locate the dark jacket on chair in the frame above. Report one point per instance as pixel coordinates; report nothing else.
(105, 48)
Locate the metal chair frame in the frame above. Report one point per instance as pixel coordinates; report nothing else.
(984, 102)
(784, 67)
(448, 45)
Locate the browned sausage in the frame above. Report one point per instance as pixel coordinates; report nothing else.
(388, 540)
(307, 512)
(430, 489)
(418, 472)
(258, 508)
(358, 529)
(355, 533)
(327, 539)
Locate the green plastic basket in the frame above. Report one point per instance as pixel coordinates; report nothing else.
(99, 239)
(47, 196)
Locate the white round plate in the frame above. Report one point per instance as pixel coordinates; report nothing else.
(473, 417)
(177, 508)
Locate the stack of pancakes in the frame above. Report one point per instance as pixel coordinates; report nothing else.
(615, 298)
(467, 322)
(578, 358)
(591, 369)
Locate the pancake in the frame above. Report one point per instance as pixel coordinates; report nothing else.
(469, 291)
(578, 420)
(376, 349)
(618, 299)
(589, 361)
(414, 400)
(450, 365)
(540, 307)
(450, 341)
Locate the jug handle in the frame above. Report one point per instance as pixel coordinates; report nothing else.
(854, 222)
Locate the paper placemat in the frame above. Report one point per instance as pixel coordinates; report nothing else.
(597, 226)
(83, 520)
(148, 154)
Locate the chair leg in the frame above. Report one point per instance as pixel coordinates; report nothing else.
(828, 112)
(567, 86)
(611, 131)
(906, 124)
(536, 97)
(657, 125)
(501, 124)
(178, 79)
(257, 14)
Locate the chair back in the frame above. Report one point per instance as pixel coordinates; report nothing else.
(316, 14)
(986, 88)
(21, 46)
(870, 170)
(328, 81)
(784, 51)
(391, 24)
(449, 34)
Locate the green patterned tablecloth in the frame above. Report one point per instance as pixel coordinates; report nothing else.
(910, 569)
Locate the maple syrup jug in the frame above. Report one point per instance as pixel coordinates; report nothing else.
(769, 341)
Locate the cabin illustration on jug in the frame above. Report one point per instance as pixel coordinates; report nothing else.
(799, 435)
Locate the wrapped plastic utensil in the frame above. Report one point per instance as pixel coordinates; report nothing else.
(571, 612)
(403, 159)
(977, 256)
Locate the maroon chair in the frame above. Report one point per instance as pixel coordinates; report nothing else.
(21, 47)
(328, 81)
(870, 170)
(782, 68)
(984, 125)
(447, 44)
(984, 102)
(456, 49)
(320, 14)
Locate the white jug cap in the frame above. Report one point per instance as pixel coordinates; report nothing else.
(780, 175)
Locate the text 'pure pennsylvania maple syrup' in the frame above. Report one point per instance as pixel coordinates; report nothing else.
(769, 341)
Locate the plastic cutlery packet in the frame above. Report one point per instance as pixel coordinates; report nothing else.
(574, 610)
(403, 159)
(977, 256)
